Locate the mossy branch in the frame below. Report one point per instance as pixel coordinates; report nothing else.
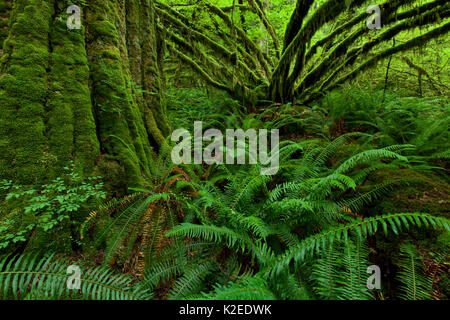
(262, 58)
(426, 14)
(435, 33)
(267, 25)
(327, 12)
(199, 70)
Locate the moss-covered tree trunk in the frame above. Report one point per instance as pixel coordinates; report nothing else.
(90, 95)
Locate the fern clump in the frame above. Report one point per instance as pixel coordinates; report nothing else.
(31, 277)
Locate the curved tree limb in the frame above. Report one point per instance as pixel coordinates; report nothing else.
(269, 27)
(435, 33)
(427, 14)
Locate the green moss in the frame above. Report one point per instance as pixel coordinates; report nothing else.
(23, 92)
(45, 86)
(116, 109)
(65, 97)
(71, 130)
(105, 31)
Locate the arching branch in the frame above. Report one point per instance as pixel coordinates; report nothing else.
(426, 14)
(297, 46)
(204, 36)
(269, 27)
(263, 59)
(199, 70)
(435, 33)
(296, 21)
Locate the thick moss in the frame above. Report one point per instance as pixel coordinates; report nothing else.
(71, 128)
(156, 113)
(45, 93)
(23, 92)
(120, 119)
(66, 97)
(424, 194)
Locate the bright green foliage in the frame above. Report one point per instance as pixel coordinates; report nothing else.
(368, 227)
(143, 217)
(29, 278)
(415, 284)
(238, 235)
(340, 273)
(238, 212)
(50, 207)
(395, 120)
(325, 43)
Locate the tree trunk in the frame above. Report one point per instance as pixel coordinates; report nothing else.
(90, 95)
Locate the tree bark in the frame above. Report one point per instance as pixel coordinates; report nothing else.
(91, 95)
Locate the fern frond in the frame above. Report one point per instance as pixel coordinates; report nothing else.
(368, 156)
(48, 276)
(415, 284)
(191, 281)
(223, 235)
(364, 228)
(357, 203)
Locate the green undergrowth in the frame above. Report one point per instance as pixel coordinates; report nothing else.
(349, 193)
